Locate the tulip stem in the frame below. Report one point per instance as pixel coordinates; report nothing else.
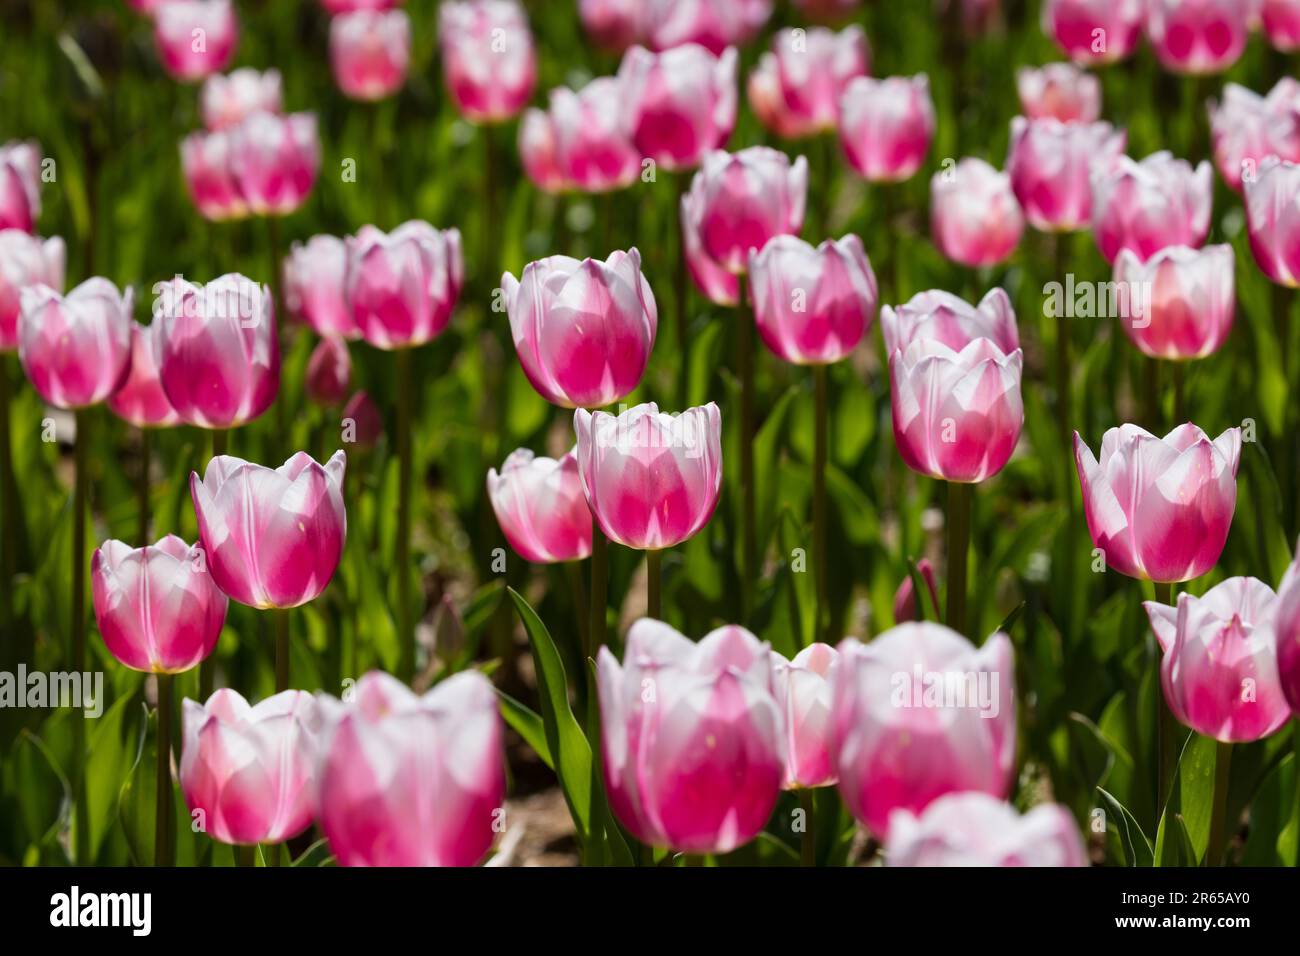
(959, 502)
(1214, 850)
(581, 606)
(807, 839)
(490, 274)
(246, 855)
(281, 649)
(820, 440)
(218, 440)
(680, 291)
(653, 584)
(1178, 393)
(599, 589)
(405, 625)
(162, 855)
(745, 370)
(1166, 726)
(1064, 429)
(81, 481)
(142, 488)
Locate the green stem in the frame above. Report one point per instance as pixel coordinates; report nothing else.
(163, 830)
(142, 488)
(808, 839)
(820, 441)
(959, 501)
(405, 624)
(246, 855)
(282, 424)
(219, 439)
(1166, 726)
(581, 606)
(281, 649)
(599, 589)
(680, 290)
(1064, 426)
(653, 584)
(1179, 395)
(1219, 815)
(490, 274)
(749, 535)
(80, 491)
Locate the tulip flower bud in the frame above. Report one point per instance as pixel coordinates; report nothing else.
(1147, 206)
(352, 6)
(25, 262)
(1050, 165)
(1059, 91)
(942, 316)
(1272, 217)
(1197, 36)
(140, 399)
(362, 423)
(75, 349)
(205, 163)
(715, 282)
(795, 90)
(614, 24)
(541, 508)
(488, 63)
(803, 692)
(1190, 308)
(886, 126)
(713, 24)
(329, 372)
(593, 149)
(1281, 22)
(403, 285)
(195, 38)
(538, 152)
(230, 99)
(1094, 31)
(313, 286)
(1246, 127)
(905, 601)
(683, 102)
(274, 161)
(975, 829)
(370, 52)
(20, 186)
(974, 216)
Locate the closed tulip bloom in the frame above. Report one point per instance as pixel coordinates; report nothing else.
(1246, 127)
(691, 735)
(975, 829)
(1049, 163)
(942, 316)
(403, 285)
(738, 201)
(957, 414)
(803, 692)
(251, 770)
(329, 372)
(886, 126)
(974, 216)
(1285, 623)
(714, 24)
(1148, 205)
(682, 102)
(75, 349)
(1059, 91)
(218, 352)
(205, 163)
(351, 6)
(229, 99)
(652, 480)
(1273, 219)
(614, 24)
(905, 601)
(141, 400)
(408, 780)
(362, 423)
(795, 90)
(20, 186)
(313, 286)
(1192, 299)
(538, 151)
(812, 305)
(1160, 508)
(25, 261)
(1281, 21)
(1197, 36)
(541, 508)
(717, 284)
(918, 713)
(274, 161)
(273, 535)
(1220, 666)
(583, 331)
(488, 61)
(195, 38)
(370, 52)
(593, 149)
(1094, 31)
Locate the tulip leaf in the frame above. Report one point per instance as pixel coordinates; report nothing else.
(527, 723)
(318, 854)
(1133, 842)
(1196, 791)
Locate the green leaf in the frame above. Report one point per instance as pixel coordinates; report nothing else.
(527, 723)
(1135, 846)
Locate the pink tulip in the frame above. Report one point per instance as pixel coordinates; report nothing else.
(950, 320)
(957, 414)
(1094, 31)
(1192, 297)
(352, 6)
(1049, 163)
(140, 399)
(682, 102)
(738, 201)
(273, 536)
(538, 152)
(251, 770)
(918, 713)
(812, 306)
(143, 6)
(795, 90)
(403, 285)
(715, 282)
(230, 99)
(1147, 206)
(218, 352)
(652, 480)
(1273, 219)
(1197, 36)
(329, 372)
(583, 331)
(1220, 667)
(1247, 127)
(313, 286)
(370, 52)
(1281, 21)
(803, 692)
(714, 24)
(195, 38)
(886, 125)
(157, 607)
(274, 161)
(691, 736)
(362, 423)
(975, 829)
(905, 602)
(974, 216)
(1285, 623)
(488, 61)
(614, 24)
(592, 147)
(412, 781)
(205, 163)
(20, 186)
(1059, 91)
(25, 261)
(75, 349)
(1160, 508)
(541, 508)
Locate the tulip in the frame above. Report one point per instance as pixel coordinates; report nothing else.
(205, 163)
(488, 63)
(1148, 205)
(274, 161)
(140, 399)
(230, 99)
(362, 423)
(1197, 36)
(370, 52)
(1272, 220)
(592, 148)
(950, 320)
(1285, 622)
(329, 372)
(1059, 91)
(905, 603)
(803, 692)
(313, 286)
(25, 261)
(218, 353)
(273, 536)
(157, 607)
(541, 508)
(974, 216)
(538, 152)
(1049, 163)
(195, 38)
(251, 770)
(614, 24)
(886, 125)
(1190, 311)
(1160, 508)
(691, 736)
(403, 285)
(412, 781)
(75, 349)
(1281, 21)
(975, 829)
(918, 713)
(1094, 31)
(583, 330)
(20, 186)
(714, 24)
(682, 102)
(795, 90)
(1246, 127)
(713, 281)
(352, 6)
